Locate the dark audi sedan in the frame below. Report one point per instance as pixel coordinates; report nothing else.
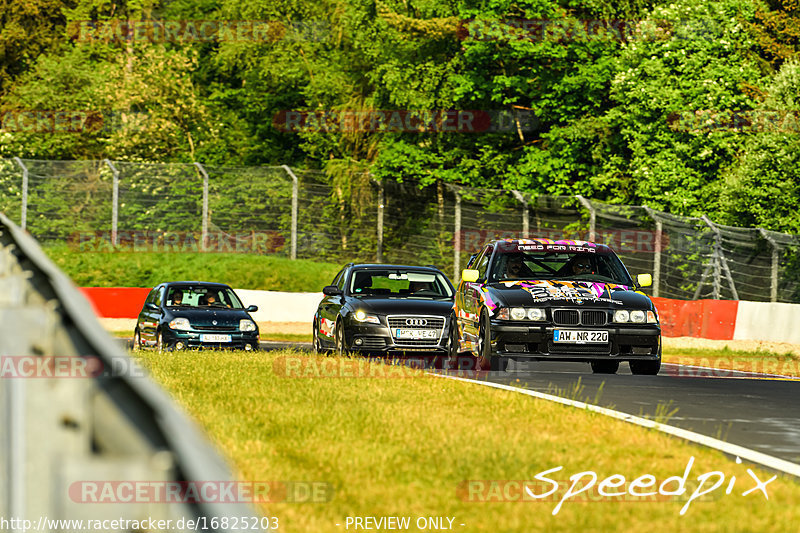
(386, 310)
(195, 314)
(538, 299)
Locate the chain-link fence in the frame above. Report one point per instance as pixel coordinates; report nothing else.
(108, 205)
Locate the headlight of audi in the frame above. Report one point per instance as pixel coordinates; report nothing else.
(246, 324)
(179, 323)
(362, 316)
(521, 313)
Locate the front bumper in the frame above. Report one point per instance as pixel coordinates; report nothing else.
(374, 339)
(193, 339)
(627, 342)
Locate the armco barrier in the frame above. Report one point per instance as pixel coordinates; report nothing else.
(709, 319)
(273, 306)
(108, 425)
(764, 321)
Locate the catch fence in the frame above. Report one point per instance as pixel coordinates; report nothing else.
(171, 207)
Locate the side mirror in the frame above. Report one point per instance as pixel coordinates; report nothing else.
(469, 275)
(644, 280)
(251, 308)
(332, 290)
(152, 307)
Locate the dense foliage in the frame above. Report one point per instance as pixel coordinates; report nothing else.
(633, 101)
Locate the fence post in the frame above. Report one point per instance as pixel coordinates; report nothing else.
(720, 262)
(657, 250)
(295, 194)
(773, 286)
(381, 201)
(525, 213)
(204, 234)
(24, 211)
(592, 216)
(114, 202)
(457, 239)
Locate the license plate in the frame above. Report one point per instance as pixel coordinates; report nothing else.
(208, 337)
(415, 334)
(580, 336)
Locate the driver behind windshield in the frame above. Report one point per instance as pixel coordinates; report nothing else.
(577, 264)
(516, 268)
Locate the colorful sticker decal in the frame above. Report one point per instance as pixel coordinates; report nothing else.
(487, 299)
(547, 245)
(576, 291)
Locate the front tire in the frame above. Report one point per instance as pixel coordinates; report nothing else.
(338, 335)
(159, 342)
(317, 345)
(605, 367)
(484, 343)
(456, 359)
(137, 341)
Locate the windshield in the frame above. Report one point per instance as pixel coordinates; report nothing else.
(405, 283)
(582, 266)
(202, 296)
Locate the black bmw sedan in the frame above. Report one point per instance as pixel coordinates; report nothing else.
(540, 300)
(385, 310)
(195, 314)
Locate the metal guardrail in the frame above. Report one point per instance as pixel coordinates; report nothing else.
(109, 427)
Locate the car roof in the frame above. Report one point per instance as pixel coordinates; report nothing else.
(382, 266)
(603, 248)
(205, 283)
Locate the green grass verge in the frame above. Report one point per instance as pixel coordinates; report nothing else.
(409, 446)
(147, 269)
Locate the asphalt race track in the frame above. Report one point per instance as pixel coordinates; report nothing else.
(760, 413)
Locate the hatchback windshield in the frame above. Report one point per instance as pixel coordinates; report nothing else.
(405, 283)
(602, 267)
(202, 296)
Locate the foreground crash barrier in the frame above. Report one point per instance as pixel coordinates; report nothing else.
(96, 427)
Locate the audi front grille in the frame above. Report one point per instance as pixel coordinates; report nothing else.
(417, 322)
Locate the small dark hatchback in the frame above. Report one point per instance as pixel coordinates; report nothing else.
(195, 314)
